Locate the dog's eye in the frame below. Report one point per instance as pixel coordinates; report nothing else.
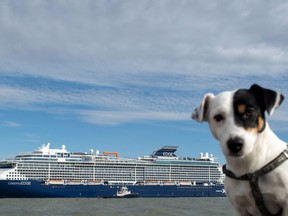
(249, 112)
(218, 118)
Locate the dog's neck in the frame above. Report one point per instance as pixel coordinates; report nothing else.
(268, 147)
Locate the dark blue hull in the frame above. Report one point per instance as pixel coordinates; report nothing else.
(33, 189)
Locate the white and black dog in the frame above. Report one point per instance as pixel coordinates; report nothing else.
(257, 170)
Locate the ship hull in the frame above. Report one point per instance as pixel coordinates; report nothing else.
(37, 189)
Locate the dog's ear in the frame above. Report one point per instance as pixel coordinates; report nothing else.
(268, 99)
(200, 113)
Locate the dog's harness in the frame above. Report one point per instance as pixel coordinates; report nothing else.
(253, 181)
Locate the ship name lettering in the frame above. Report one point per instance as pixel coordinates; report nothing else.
(221, 191)
(20, 183)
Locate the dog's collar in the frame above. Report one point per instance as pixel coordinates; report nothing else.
(261, 172)
(253, 180)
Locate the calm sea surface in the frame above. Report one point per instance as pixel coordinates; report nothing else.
(119, 207)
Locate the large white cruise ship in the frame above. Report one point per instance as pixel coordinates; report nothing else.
(48, 172)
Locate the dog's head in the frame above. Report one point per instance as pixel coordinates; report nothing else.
(237, 117)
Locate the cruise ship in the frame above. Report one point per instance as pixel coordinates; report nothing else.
(48, 172)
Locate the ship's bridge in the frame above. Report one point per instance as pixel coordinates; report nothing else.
(165, 151)
(45, 149)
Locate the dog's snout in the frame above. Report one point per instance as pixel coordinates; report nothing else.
(235, 145)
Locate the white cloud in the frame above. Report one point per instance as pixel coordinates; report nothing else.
(83, 39)
(10, 124)
(262, 54)
(115, 118)
(135, 60)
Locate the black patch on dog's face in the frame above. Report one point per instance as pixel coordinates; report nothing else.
(247, 111)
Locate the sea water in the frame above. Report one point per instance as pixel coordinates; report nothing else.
(117, 207)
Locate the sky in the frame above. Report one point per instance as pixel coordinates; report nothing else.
(125, 75)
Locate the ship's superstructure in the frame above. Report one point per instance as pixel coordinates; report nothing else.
(60, 167)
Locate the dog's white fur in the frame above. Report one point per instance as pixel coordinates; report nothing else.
(258, 150)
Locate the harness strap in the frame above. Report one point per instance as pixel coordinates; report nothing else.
(253, 181)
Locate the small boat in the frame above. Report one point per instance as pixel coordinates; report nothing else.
(125, 193)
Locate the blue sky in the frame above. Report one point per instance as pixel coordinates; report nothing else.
(125, 75)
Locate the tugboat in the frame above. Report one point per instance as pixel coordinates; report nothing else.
(125, 193)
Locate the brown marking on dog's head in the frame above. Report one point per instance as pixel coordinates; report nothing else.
(241, 108)
(261, 124)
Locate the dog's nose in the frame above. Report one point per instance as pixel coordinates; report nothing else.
(235, 145)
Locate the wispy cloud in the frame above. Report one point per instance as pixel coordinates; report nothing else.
(10, 124)
(120, 61)
(88, 40)
(115, 118)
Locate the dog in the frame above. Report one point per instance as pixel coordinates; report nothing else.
(237, 120)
